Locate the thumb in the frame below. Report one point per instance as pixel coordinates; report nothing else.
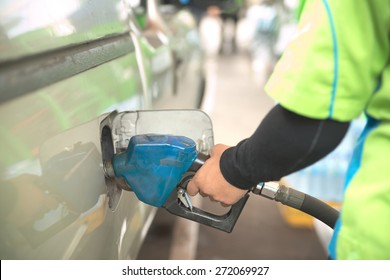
(192, 189)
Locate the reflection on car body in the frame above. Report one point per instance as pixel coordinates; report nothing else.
(62, 67)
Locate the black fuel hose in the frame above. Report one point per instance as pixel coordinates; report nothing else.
(320, 210)
(300, 201)
(287, 196)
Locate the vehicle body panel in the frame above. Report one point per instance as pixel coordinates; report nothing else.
(34, 26)
(55, 90)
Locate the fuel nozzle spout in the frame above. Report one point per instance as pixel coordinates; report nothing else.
(298, 200)
(108, 169)
(109, 173)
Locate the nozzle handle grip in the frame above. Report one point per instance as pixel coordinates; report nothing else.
(225, 222)
(198, 162)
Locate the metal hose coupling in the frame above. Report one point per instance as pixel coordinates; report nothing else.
(280, 193)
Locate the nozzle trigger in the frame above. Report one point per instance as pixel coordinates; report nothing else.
(184, 198)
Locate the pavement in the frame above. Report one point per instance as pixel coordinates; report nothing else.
(236, 103)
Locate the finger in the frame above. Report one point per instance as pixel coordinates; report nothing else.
(192, 189)
(203, 194)
(225, 205)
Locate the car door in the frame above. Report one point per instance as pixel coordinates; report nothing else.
(63, 67)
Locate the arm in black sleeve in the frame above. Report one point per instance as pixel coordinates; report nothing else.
(283, 143)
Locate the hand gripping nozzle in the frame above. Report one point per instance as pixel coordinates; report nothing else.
(158, 168)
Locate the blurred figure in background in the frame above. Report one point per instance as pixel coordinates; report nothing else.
(230, 14)
(210, 29)
(222, 16)
(265, 19)
(264, 32)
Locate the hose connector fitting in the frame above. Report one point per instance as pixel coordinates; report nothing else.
(280, 193)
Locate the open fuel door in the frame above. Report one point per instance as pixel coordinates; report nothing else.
(118, 128)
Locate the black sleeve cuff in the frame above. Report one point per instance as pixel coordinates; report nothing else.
(231, 169)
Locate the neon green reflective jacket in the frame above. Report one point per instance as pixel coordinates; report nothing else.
(338, 67)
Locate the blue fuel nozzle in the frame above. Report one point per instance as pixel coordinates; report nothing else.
(153, 165)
